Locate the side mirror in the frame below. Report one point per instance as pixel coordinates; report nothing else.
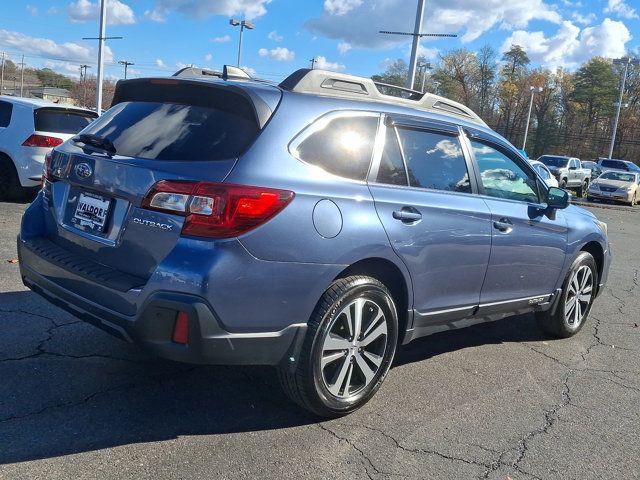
(557, 198)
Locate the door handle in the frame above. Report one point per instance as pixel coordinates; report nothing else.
(407, 215)
(504, 225)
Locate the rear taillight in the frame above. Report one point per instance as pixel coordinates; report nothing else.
(44, 141)
(46, 168)
(216, 210)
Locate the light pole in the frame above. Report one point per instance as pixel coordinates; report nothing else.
(416, 42)
(243, 24)
(101, 44)
(424, 66)
(126, 64)
(626, 61)
(533, 91)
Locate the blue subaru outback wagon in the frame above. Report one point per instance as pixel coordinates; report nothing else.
(313, 225)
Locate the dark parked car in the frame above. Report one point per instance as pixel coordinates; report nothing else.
(596, 170)
(619, 165)
(313, 225)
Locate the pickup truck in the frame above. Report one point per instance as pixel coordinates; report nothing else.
(569, 172)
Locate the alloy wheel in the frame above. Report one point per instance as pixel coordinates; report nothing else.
(353, 348)
(579, 297)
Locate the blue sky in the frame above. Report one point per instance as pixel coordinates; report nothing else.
(162, 35)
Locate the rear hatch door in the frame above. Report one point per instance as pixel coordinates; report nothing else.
(157, 129)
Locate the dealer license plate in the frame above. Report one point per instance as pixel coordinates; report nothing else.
(91, 211)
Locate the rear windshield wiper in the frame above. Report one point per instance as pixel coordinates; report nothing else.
(95, 141)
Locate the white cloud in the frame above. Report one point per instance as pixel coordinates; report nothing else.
(280, 54)
(274, 36)
(248, 9)
(344, 47)
(33, 11)
(208, 57)
(66, 68)
(53, 11)
(158, 15)
(426, 52)
(118, 13)
(570, 46)
(584, 19)
(223, 39)
(340, 7)
(249, 70)
(160, 63)
(620, 8)
(323, 64)
(46, 48)
(471, 18)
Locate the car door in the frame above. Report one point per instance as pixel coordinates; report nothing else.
(528, 242)
(423, 190)
(573, 176)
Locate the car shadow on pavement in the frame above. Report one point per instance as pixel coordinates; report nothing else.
(69, 388)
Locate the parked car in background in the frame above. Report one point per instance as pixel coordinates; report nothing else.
(231, 221)
(596, 170)
(544, 173)
(29, 129)
(620, 165)
(569, 172)
(616, 185)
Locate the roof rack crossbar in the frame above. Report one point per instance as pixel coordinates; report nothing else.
(323, 82)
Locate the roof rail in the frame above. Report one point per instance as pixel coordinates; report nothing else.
(323, 82)
(228, 72)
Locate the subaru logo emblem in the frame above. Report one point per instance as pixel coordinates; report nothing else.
(83, 170)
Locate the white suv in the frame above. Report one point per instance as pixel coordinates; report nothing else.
(30, 128)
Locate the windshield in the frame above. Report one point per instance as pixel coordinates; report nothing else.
(551, 161)
(619, 176)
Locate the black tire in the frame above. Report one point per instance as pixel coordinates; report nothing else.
(556, 323)
(581, 190)
(305, 383)
(634, 200)
(563, 184)
(9, 184)
(590, 199)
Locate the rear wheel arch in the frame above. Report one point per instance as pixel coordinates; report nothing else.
(389, 274)
(597, 252)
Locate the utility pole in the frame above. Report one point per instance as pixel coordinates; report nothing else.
(22, 76)
(101, 43)
(243, 24)
(626, 61)
(83, 79)
(533, 91)
(416, 42)
(2, 75)
(313, 62)
(126, 64)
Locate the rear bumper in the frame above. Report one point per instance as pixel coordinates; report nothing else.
(152, 327)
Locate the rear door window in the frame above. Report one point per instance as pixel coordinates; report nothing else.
(434, 160)
(5, 113)
(391, 170)
(58, 120)
(342, 145)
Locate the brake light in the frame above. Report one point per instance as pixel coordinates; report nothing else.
(216, 210)
(44, 141)
(181, 328)
(46, 168)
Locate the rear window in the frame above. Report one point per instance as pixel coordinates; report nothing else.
(61, 121)
(5, 113)
(614, 164)
(551, 161)
(175, 131)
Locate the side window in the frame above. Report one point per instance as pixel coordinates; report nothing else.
(543, 173)
(501, 176)
(434, 160)
(342, 146)
(5, 113)
(391, 170)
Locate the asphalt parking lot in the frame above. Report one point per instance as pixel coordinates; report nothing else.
(493, 401)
